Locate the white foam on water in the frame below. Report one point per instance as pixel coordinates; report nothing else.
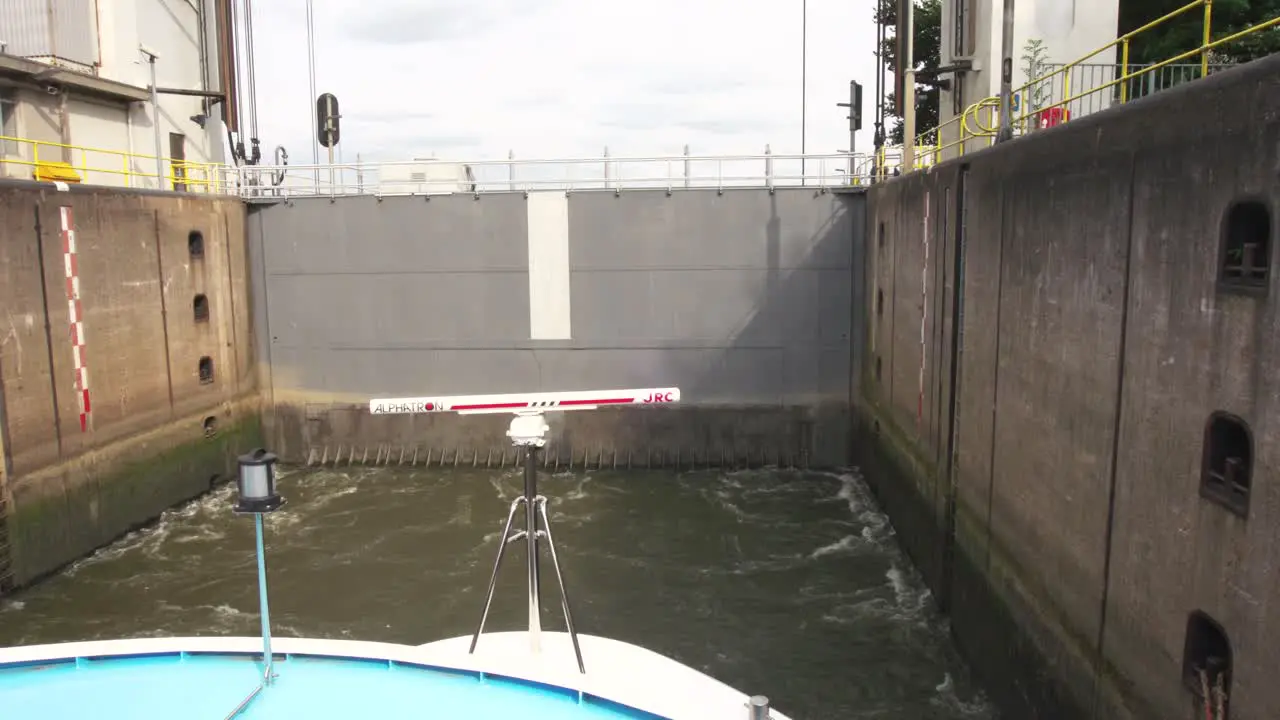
(947, 699)
(224, 610)
(911, 594)
(853, 491)
(462, 512)
(320, 501)
(844, 545)
(579, 490)
(724, 494)
(151, 540)
(199, 533)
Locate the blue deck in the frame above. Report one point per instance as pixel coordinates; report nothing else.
(185, 685)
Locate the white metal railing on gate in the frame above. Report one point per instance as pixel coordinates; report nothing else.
(433, 176)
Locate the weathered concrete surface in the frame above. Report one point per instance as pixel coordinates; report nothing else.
(67, 511)
(742, 299)
(71, 490)
(1056, 508)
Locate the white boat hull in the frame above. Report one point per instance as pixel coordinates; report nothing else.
(618, 672)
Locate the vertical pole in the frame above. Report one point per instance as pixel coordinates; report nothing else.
(1124, 72)
(329, 122)
(878, 137)
(511, 170)
(64, 128)
(155, 123)
(1066, 106)
(768, 166)
(262, 599)
(1208, 35)
(909, 92)
(531, 542)
(606, 166)
(53, 32)
(686, 166)
(855, 110)
(1006, 74)
(804, 82)
(311, 75)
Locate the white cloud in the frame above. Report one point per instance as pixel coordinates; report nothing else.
(473, 79)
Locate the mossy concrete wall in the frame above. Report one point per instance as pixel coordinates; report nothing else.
(160, 284)
(1047, 340)
(67, 511)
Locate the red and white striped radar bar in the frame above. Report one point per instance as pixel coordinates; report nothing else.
(522, 402)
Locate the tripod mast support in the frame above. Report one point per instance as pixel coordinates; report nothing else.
(528, 430)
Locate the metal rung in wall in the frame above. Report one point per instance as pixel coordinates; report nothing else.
(556, 459)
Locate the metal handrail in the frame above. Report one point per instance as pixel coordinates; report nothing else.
(595, 159)
(196, 176)
(820, 171)
(1022, 120)
(615, 173)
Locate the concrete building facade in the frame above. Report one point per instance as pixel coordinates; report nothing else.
(78, 73)
(1069, 30)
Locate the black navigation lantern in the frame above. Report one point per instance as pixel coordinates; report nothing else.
(257, 484)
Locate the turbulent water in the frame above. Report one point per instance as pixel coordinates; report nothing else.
(786, 584)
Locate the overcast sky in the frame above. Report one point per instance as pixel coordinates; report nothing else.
(472, 79)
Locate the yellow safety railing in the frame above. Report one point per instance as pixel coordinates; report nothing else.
(976, 127)
(931, 144)
(52, 161)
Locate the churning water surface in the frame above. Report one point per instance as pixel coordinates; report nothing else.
(782, 583)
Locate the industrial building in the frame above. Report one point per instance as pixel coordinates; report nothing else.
(1052, 43)
(76, 96)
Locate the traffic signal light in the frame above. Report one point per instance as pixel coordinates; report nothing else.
(854, 105)
(327, 120)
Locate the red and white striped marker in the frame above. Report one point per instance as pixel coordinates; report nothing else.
(524, 402)
(75, 314)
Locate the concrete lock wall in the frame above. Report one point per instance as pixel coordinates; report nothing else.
(741, 298)
(1035, 406)
(111, 307)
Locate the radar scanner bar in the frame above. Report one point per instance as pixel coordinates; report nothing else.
(528, 430)
(525, 402)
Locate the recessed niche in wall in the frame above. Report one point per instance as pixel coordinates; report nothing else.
(1226, 471)
(1244, 262)
(200, 308)
(878, 369)
(195, 244)
(210, 426)
(206, 370)
(1206, 661)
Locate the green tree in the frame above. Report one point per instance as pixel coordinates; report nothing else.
(1034, 67)
(1184, 33)
(927, 53)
